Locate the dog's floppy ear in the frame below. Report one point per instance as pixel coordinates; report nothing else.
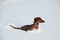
(36, 19)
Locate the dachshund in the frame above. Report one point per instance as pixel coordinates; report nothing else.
(33, 26)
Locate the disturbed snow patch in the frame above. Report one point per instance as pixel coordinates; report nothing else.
(7, 27)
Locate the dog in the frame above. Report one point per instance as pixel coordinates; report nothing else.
(33, 26)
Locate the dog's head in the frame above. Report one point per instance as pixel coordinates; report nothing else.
(38, 20)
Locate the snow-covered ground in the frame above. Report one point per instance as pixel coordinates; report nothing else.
(22, 12)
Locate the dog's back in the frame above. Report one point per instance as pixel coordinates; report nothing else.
(25, 28)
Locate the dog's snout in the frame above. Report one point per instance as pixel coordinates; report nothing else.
(43, 21)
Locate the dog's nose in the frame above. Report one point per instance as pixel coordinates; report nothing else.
(43, 21)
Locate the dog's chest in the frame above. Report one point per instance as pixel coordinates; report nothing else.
(35, 26)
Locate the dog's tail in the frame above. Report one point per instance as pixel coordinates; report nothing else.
(14, 27)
